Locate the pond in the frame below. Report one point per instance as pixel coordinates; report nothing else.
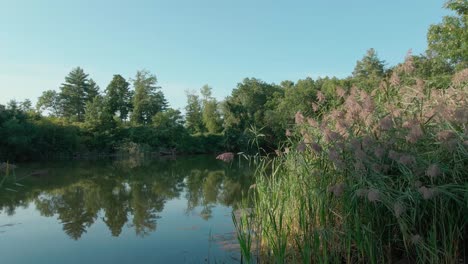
(132, 210)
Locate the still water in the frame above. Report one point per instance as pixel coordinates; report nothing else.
(122, 211)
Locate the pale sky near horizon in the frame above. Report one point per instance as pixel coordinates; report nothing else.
(191, 43)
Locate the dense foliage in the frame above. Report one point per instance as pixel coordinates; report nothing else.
(78, 118)
(375, 171)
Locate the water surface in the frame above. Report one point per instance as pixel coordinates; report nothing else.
(122, 211)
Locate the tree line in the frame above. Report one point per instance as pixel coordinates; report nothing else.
(81, 118)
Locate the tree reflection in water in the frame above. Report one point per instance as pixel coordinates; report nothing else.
(130, 191)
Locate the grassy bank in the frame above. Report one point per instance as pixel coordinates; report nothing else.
(381, 178)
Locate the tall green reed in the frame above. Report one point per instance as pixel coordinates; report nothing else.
(380, 179)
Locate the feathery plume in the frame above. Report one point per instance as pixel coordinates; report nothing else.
(427, 193)
(386, 123)
(226, 157)
(399, 209)
(433, 171)
(312, 122)
(299, 118)
(373, 195)
(301, 147)
(416, 239)
(320, 96)
(340, 92)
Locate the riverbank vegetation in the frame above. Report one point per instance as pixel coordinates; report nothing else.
(371, 168)
(374, 172)
(81, 119)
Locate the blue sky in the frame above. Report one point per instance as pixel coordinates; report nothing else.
(191, 43)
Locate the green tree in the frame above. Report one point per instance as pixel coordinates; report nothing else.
(49, 101)
(369, 71)
(148, 99)
(97, 115)
(285, 104)
(210, 114)
(449, 39)
(92, 90)
(435, 71)
(119, 97)
(75, 93)
(193, 114)
(247, 107)
(170, 127)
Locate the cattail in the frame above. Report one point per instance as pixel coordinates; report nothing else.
(320, 96)
(373, 195)
(433, 171)
(299, 118)
(226, 157)
(427, 193)
(399, 209)
(301, 147)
